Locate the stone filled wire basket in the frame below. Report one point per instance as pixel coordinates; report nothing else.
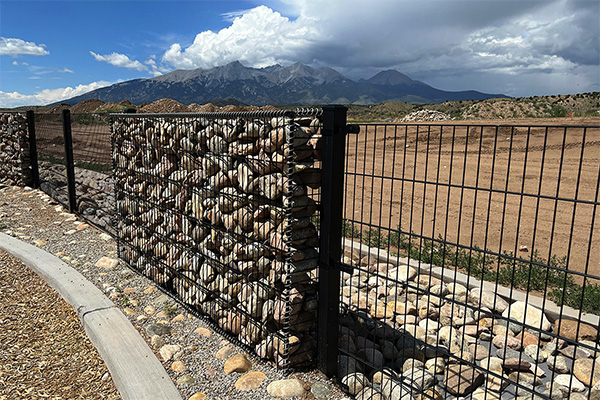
(219, 209)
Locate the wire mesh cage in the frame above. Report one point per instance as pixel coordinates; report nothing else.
(51, 156)
(94, 188)
(15, 165)
(215, 208)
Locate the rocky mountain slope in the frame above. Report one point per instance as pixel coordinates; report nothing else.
(294, 84)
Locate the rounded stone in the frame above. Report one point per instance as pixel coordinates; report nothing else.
(237, 363)
(320, 390)
(250, 381)
(355, 382)
(286, 388)
(178, 366)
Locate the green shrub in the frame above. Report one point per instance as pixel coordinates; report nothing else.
(349, 230)
(374, 238)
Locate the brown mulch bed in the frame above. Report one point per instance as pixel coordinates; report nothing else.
(44, 351)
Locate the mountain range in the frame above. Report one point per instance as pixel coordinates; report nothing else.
(297, 84)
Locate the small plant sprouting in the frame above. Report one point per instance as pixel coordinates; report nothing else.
(169, 308)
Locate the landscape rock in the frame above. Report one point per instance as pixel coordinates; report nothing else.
(286, 388)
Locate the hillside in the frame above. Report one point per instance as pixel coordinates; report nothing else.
(297, 84)
(580, 105)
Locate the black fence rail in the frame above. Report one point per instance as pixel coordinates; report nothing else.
(471, 264)
(220, 211)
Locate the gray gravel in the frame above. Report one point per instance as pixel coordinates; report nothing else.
(32, 216)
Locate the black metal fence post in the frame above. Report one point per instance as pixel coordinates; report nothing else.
(330, 252)
(69, 163)
(33, 156)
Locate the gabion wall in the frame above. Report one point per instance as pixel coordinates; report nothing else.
(15, 164)
(220, 210)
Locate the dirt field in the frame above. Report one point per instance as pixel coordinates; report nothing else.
(392, 174)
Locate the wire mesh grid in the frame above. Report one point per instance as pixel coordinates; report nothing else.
(51, 156)
(92, 158)
(219, 210)
(471, 264)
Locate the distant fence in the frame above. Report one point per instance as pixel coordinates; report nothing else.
(432, 260)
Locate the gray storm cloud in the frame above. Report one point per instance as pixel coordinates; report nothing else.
(513, 47)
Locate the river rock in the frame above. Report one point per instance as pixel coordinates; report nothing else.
(582, 369)
(461, 380)
(525, 313)
(286, 388)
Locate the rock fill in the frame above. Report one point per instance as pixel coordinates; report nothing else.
(221, 213)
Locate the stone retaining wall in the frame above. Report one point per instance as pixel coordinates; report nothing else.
(218, 212)
(15, 164)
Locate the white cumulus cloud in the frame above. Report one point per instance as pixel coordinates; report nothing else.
(46, 96)
(119, 60)
(16, 47)
(257, 37)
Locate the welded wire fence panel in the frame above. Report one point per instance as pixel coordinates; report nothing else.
(51, 156)
(93, 169)
(220, 211)
(471, 265)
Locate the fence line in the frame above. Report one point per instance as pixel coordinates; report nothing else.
(470, 251)
(454, 230)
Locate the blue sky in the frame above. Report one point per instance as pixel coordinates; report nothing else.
(51, 50)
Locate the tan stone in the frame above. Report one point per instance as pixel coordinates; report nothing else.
(250, 381)
(149, 289)
(224, 353)
(203, 331)
(198, 396)
(582, 369)
(575, 330)
(178, 318)
(178, 366)
(107, 262)
(237, 363)
(150, 310)
(129, 311)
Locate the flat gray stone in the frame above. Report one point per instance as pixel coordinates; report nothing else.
(320, 390)
(158, 329)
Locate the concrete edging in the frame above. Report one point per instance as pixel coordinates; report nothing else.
(135, 370)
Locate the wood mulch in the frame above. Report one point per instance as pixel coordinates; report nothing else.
(44, 351)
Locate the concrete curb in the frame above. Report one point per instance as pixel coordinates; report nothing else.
(135, 370)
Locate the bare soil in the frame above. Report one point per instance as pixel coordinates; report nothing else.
(498, 188)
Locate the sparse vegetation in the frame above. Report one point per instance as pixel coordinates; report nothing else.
(169, 308)
(556, 106)
(533, 273)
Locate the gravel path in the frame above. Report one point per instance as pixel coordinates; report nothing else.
(191, 361)
(44, 351)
